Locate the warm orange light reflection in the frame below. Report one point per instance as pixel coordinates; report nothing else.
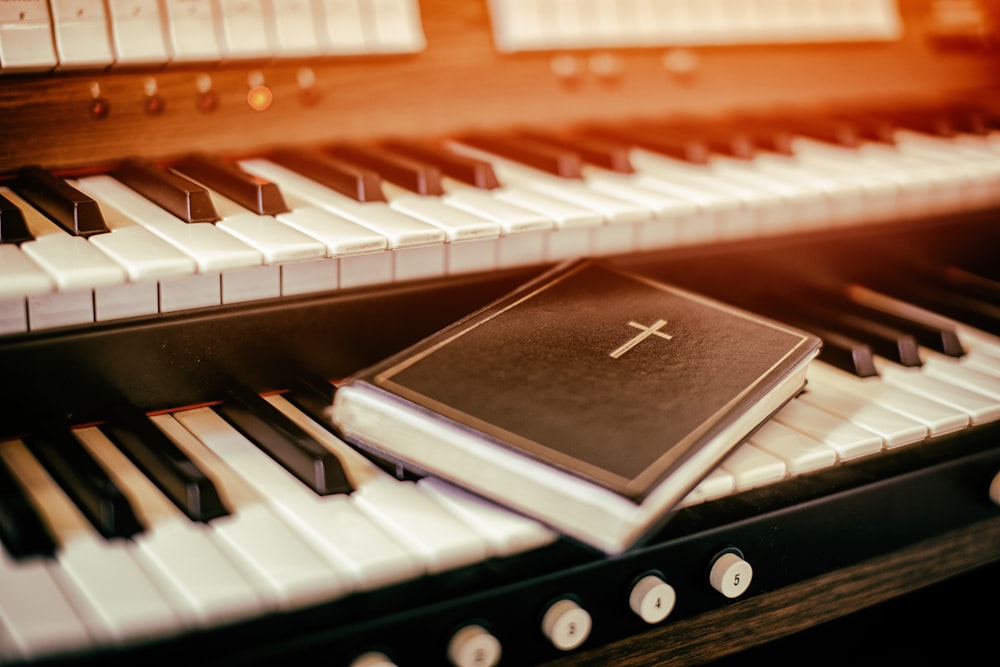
(259, 98)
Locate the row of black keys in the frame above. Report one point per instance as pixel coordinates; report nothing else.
(23, 533)
(357, 171)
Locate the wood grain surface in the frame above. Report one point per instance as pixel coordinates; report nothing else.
(777, 614)
(458, 82)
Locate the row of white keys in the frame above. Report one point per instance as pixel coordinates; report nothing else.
(227, 269)
(970, 158)
(898, 188)
(417, 247)
(417, 239)
(764, 211)
(635, 213)
(286, 571)
(74, 266)
(363, 554)
(506, 533)
(406, 528)
(36, 617)
(103, 579)
(178, 554)
(471, 240)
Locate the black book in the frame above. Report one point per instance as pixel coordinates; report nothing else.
(591, 399)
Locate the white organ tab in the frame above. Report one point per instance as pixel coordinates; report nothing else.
(293, 27)
(394, 26)
(81, 33)
(137, 31)
(191, 31)
(26, 37)
(342, 30)
(524, 25)
(242, 26)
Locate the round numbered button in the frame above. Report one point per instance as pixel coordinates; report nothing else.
(730, 575)
(566, 624)
(474, 646)
(652, 599)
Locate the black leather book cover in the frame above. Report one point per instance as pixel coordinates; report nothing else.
(606, 375)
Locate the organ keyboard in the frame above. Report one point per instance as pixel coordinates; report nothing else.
(192, 252)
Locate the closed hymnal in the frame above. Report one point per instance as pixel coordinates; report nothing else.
(590, 399)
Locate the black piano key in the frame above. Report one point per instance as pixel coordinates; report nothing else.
(13, 227)
(689, 149)
(256, 194)
(969, 310)
(23, 533)
(72, 210)
(478, 173)
(180, 196)
(843, 352)
(831, 130)
(176, 475)
(558, 161)
(898, 346)
(973, 284)
(284, 441)
(610, 155)
(414, 175)
(314, 396)
(363, 185)
(940, 339)
(86, 483)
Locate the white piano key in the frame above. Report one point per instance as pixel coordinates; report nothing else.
(425, 527)
(402, 508)
(209, 247)
(341, 236)
(508, 533)
(979, 407)
(286, 571)
(251, 283)
(73, 263)
(799, 452)
(116, 600)
(982, 361)
(716, 484)
(469, 256)
(563, 213)
(361, 551)
(36, 617)
(13, 315)
(370, 269)
(179, 554)
(200, 290)
(142, 254)
(318, 275)
(848, 440)
(936, 416)
(60, 309)
(275, 241)
(501, 206)
(128, 300)
(19, 275)
(751, 466)
(458, 225)
(963, 376)
(896, 429)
